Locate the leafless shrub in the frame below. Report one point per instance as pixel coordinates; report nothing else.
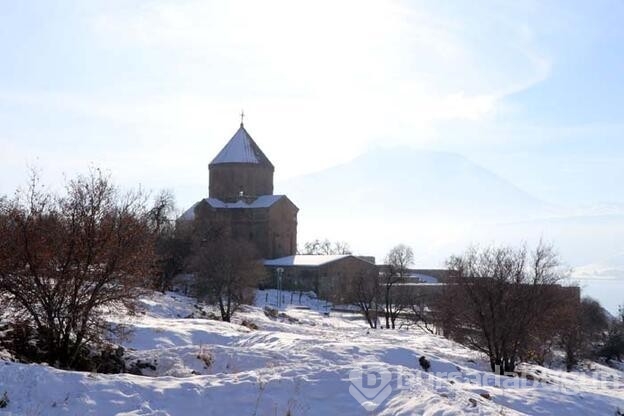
(65, 259)
(360, 287)
(398, 261)
(503, 301)
(326, 247)
(172, 241)
(227, 272)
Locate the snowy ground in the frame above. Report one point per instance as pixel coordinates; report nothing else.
(297, 363)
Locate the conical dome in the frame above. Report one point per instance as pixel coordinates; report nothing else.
(240, 170)
(241, 149)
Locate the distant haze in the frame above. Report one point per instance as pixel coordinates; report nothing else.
(439, 203)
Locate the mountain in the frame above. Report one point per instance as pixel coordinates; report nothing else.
(439, 203)
(433, 201)
(412, 182)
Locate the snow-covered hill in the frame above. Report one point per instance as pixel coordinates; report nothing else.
(297, 362)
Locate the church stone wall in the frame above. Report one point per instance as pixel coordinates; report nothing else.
(227, 180)
(283, 226)
(335, 273)
(272, 230)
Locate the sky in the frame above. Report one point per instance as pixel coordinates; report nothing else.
(532, 91)
(152, 90)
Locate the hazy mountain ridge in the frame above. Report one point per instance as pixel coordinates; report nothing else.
(413, 181)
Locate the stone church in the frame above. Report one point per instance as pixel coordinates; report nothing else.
(241, 201)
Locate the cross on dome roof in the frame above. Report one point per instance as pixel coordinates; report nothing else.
(241, 149)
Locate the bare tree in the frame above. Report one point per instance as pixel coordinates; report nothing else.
(498, 299)
(326, 247)
(398, 261)
(360, 287)
(582, 330)
(227, 273)
(65, 260)
(173, 240)
(613, 348)
(162, 211)
(416, 302)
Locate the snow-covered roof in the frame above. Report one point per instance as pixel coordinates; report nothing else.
(264, 201)
(189, 214)
(312, 260)
(241, 149)
(421, 284)
(423, 278)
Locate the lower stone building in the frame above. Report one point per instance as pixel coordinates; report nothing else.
(317, 273)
